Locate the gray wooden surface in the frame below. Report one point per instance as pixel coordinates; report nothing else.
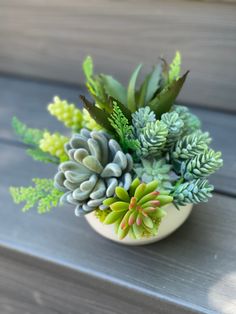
(194, 267)
(49, 39)
(55, 263)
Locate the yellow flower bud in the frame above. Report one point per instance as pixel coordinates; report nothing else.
(54, 145)
(67, 113)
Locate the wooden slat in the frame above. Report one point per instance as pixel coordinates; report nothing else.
(49, 288)
(28, 100)
(194, 267)
(49, 39)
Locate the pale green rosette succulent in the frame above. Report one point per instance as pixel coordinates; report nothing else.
(156, 169)
(96, 167)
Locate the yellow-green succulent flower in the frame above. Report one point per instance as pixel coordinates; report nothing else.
(71, 116)
(54, 145)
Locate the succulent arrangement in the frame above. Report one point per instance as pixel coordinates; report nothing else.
(132, 151)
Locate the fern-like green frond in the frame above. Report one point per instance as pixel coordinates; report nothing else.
(175, 67)
(28, 135)
(125, 131)
(43, 195)
(39, 155)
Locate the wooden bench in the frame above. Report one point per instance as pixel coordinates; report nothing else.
(55, 263)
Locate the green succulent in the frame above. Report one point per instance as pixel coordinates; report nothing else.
(156, 169)
(96, 167)
(158, 91)
(191, 121)
(141, 117)
(191, 145)
(138, 211)
(192, 192)
(202, 165)
(175, 127)
(153, 138)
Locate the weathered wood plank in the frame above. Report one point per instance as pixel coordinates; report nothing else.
(194, 266)
(49, 39)
(27, 100)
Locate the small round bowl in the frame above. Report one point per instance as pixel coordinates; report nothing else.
(172, 221)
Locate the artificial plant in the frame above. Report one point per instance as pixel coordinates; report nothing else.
(132, 151)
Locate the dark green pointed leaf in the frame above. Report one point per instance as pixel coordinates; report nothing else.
(165, 73)
(141, 95)
(99, 115)
(162, 102)
(131, 90)
(153, 83)
(114, 88)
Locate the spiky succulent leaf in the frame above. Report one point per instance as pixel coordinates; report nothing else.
(164, 100)
(149, 86)
(114, 88)
(202, 165)
(153, 83)
(131, 91)
(192, 192)
(88, 67)
(136, 212)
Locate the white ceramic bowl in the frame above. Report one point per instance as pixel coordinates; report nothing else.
(172, 221)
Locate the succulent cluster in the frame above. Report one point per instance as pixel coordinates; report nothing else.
(136, 211)
(96, 167)
(132, 151)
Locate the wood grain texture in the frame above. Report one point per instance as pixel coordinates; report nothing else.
(49, 288)
(21, 97)
(194, 267)
(49, 39)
